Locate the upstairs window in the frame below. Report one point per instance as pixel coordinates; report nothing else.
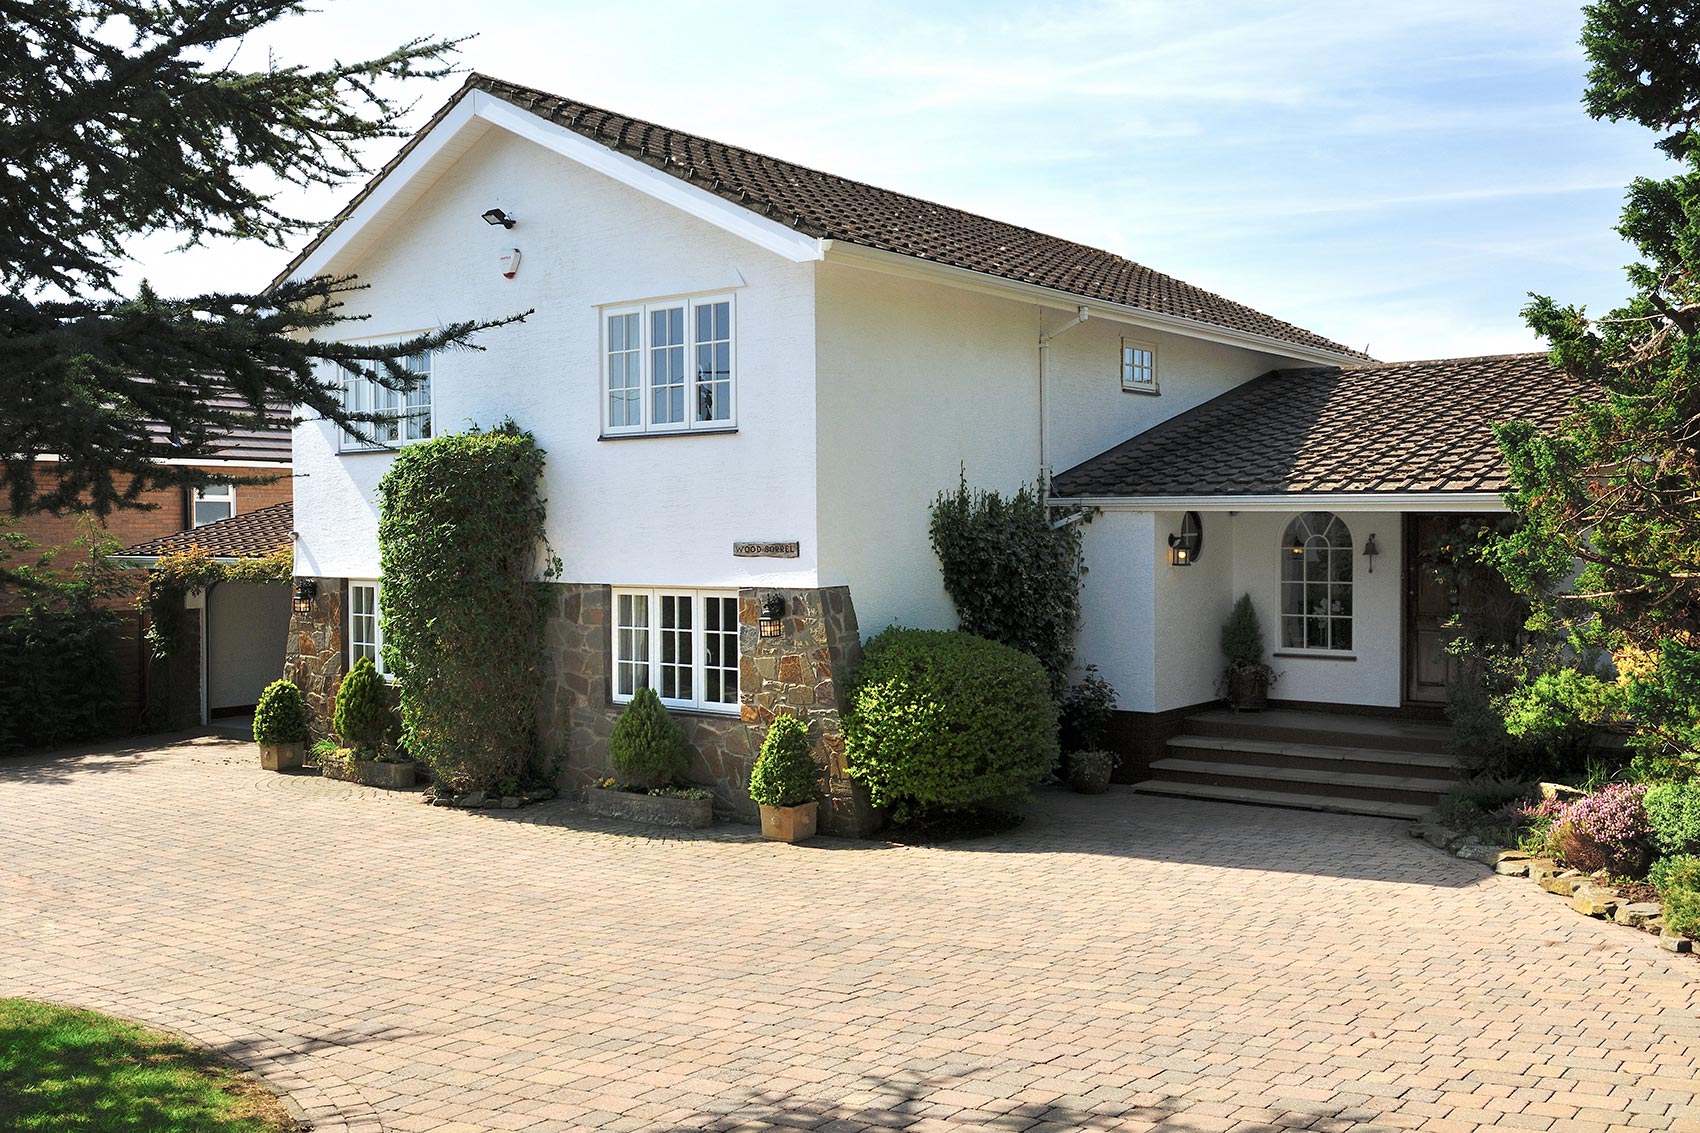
(1316, 583)
(402, 418)
(213, 503)
(668, 367)
(1139, 366)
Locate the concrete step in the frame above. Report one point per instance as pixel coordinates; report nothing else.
(1322, 757)
(1326, 802)
(1386, 785)
(1324, 728)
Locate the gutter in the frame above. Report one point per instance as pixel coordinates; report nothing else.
(1432, 502)
(896, 263)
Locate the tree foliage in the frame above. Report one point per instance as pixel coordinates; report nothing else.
(1617, 487)
(127, 117)
(1013, 577)
(460, 537)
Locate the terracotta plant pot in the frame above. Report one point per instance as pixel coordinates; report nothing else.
(789, 823)
(282, 757)
(1248, 690)
(376, 773)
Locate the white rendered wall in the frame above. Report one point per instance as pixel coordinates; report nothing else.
(1375, 675)
(646, 510)
(1117, 606)
(1190, 606)
(918, 381)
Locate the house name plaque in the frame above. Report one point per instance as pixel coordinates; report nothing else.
(765, 550)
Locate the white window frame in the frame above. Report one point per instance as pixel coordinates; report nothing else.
(1130, 370)
(645, 312)
(402, 407)
(1350, 585)
(699, 646)
(212, 494)
(377, 641)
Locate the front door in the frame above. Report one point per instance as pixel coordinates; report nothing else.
(1428, 612)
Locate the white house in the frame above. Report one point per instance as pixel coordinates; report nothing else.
(752, 378)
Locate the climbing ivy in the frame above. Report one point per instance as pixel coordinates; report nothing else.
(461, 543)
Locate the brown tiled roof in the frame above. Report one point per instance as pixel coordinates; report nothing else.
(826, 206)
(1390, 427)
(252, 534)
(267, 439)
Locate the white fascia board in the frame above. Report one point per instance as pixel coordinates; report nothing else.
(474, 115)
(895, 263)
(664, 187)
(1426, 502)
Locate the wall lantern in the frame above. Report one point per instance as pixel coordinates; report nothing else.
(1185, 547)
(1370, 551)
(305, 591)
(497, 216)
(772, 610)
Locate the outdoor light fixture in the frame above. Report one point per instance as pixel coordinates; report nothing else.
(497, 216)
(305, 590)
(1185, 548)
(1370, 551)
(772, 610)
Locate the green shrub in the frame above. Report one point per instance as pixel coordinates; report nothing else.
(1089, 771)
(1242, 635)
(647, 747)
(1680, 895)
(1085, 712)
(785, 773)
(1560, 709)
(363, 715)
(1659, 876)
(1489, 808)
(281, 715)
(461, 547)
(1518, 712)
(947, 720)
(1673, 809)
(1013, 577)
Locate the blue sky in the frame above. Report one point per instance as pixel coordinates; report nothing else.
(1396, 177)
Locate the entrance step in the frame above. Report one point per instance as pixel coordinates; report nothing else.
(1318, 761)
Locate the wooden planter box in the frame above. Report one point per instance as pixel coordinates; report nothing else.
(789, 823)
(282, 757)
(376, 773)
(655, 810)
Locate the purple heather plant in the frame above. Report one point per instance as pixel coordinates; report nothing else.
(1607, 830)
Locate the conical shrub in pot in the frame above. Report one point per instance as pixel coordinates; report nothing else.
(785, 782)
(647, 746)
(1248, 676)
(364, 718)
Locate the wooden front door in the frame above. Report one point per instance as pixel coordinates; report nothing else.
(1428, 613)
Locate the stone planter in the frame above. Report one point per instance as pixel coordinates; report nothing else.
(656, 810)
(282, 757)
(1089, 771)
(376, 773)
(1248, 690)
(789, 823)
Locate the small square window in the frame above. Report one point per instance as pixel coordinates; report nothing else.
(1139, 366)
(213, 503)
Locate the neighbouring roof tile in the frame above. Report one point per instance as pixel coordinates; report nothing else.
(252, 534)
(1390, 427)
(827, 206)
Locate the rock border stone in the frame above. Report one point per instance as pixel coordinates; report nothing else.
(1589, 894)
(475, 800)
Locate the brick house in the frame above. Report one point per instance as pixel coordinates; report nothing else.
(752, 378)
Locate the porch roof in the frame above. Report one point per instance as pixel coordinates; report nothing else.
(1395, 427)
(251, 535)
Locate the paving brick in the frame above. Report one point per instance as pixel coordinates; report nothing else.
(1118, 962)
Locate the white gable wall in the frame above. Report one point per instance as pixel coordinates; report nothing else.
(644, 510)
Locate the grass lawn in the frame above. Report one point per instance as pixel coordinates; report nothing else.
(78, 1072)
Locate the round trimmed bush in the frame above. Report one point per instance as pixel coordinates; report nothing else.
(944, 719)
(647, 746)
(280, 717)
(1673, 810)
(363, 716)
(785, 773)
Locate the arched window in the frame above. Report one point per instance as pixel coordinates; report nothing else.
(1316, 583)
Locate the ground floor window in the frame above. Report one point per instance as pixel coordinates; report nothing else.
(681, 643)
(365, 634)
(1316, 583)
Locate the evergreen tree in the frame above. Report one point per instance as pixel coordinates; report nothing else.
(125, 117)
(1617, 488)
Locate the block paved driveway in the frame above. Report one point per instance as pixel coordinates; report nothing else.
(1118, 963)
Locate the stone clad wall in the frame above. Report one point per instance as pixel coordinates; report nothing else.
(314, 656)
(802, 671)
